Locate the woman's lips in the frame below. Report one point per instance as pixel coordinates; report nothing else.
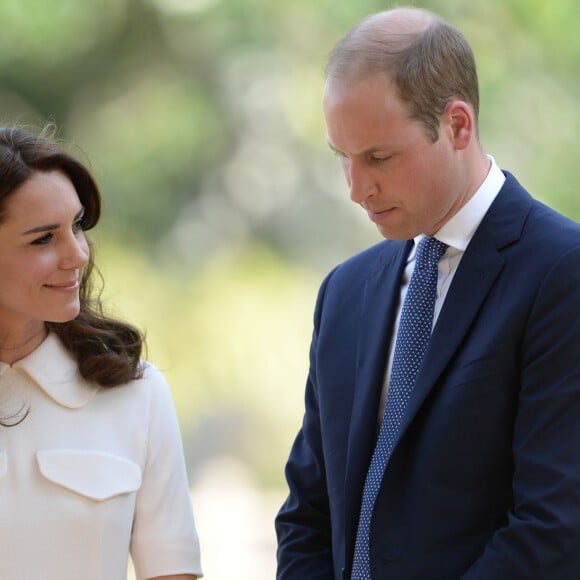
(71, 286)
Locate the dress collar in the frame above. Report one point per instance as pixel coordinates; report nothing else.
(56, 372)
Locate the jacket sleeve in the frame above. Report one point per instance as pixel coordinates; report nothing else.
(541, 538)
(303, 524)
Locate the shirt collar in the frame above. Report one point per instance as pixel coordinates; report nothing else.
(459, 230)
(56, 372)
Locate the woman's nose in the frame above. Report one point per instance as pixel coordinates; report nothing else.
(76, 253)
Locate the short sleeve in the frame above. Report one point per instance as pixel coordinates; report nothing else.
(164, 539)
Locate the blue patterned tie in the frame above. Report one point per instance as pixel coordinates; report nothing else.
(413, 336)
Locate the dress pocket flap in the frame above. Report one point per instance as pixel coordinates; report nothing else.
(3, 463)
(93, 474)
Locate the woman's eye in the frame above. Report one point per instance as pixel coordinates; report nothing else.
(79, 225)
(43, 240)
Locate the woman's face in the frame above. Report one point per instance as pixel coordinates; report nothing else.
(43, 251)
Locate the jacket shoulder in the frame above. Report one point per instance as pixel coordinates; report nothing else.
(370, 261)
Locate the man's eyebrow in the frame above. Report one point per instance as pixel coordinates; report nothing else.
(369, 151)
(50, 227)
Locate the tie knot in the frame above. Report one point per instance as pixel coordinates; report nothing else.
(429, 252)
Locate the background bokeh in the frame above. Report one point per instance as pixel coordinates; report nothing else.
(224, 208)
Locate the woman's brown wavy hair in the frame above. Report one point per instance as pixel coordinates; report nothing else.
(107, 351)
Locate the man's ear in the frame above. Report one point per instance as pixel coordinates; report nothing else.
(460, 120)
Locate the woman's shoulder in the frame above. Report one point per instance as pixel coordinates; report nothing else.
(151, 374)
(153, 382)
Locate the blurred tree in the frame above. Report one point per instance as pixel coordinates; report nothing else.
(223, 205)
(202, 117)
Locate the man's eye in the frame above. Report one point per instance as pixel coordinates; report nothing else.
(380, 159)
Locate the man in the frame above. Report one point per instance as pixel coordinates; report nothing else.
(457, 456)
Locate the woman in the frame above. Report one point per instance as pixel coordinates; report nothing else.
(91, 463)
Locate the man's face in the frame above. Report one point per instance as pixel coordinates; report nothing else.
(406, 183)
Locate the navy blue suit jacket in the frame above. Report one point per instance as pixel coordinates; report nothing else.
(484, 481)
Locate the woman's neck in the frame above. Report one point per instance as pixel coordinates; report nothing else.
(14, 347)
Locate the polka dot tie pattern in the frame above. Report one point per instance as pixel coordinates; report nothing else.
(413, 336)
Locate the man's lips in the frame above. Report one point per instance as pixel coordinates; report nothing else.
(378, 215)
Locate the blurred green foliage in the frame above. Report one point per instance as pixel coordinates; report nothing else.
(223, 208)
(230, 338)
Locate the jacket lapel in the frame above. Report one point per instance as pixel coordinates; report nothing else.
(475, 276)
(378, 314)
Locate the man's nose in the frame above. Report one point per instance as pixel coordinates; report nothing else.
(360, 182)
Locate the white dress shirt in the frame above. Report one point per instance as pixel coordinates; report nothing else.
(90, 474)
(457, 234)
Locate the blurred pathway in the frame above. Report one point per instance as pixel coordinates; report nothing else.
(235, 521)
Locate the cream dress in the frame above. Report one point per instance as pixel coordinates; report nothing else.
(89, 475)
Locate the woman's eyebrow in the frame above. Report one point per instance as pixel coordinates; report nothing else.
(50, 227)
